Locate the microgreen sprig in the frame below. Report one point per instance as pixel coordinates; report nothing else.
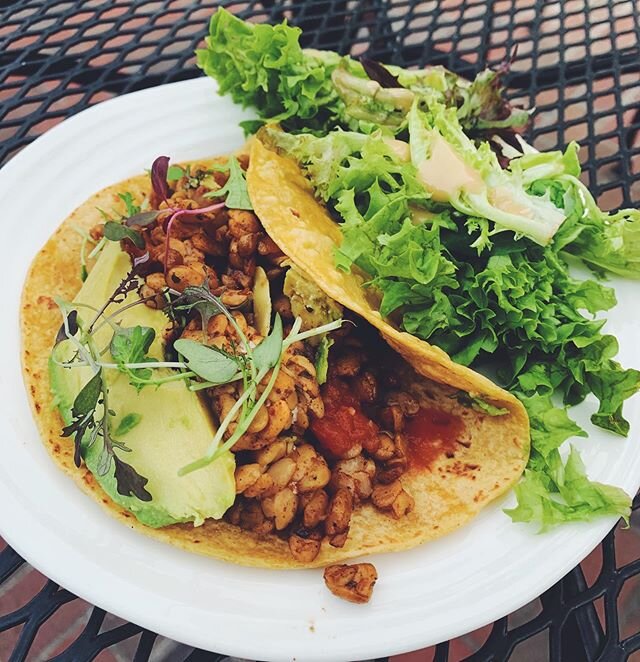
(90, 412)
(270, 358)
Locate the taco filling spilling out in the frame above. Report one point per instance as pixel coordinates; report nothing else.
(218, 394)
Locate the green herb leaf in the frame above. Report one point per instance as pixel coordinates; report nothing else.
(550, 425)
(250, 127)
(87, 400)
(322, 359)
(612, 387)
(83, 414)
(268, 352)
(127, 423)
(174, 173)
(117, 232)
(131, 207)
(264, 66)
(210, 363)
(130, 345)
(201, 299)
(235, 189)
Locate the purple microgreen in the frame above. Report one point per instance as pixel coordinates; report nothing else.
(68, 328)
(159, 171)
(83, 414)
(129, 482)
(185, 212)
(379, 73)
(128, 284)
(144, 218)
(117, 232)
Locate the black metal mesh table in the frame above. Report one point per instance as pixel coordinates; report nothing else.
(578, 63)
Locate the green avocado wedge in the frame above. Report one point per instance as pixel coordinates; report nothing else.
(165, 427)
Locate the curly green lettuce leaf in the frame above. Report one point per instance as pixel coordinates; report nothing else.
(264, 66)
(455, 281)
(606, 242)
(570, 496)
(552, 491)
(487, 191)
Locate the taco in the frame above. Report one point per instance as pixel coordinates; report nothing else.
(218, 385)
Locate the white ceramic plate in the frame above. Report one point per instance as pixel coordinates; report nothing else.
(423, 596)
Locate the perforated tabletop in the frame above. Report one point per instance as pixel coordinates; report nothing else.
(577, 62)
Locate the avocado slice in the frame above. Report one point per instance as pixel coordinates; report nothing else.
(175, 427)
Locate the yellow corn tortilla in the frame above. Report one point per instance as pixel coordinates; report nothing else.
(447, 495)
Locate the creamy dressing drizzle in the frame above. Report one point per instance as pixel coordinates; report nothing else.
(444, 174)
(502, 198)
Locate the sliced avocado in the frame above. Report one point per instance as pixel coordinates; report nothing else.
(174, 429)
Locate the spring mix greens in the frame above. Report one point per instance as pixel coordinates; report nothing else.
(478, 266)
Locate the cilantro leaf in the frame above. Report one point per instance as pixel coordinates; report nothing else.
(235, 189)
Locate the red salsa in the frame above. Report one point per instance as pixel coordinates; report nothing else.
(344, 424)
(430, 434)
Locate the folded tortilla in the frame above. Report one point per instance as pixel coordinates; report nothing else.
(448, 494)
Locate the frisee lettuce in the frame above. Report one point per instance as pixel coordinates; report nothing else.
(500, 195)
(461, 273)
(465, 284)
(265, 67)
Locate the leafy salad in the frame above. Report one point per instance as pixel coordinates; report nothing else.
(466, 231)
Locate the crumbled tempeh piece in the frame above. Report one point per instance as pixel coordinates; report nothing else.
(351, 582)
